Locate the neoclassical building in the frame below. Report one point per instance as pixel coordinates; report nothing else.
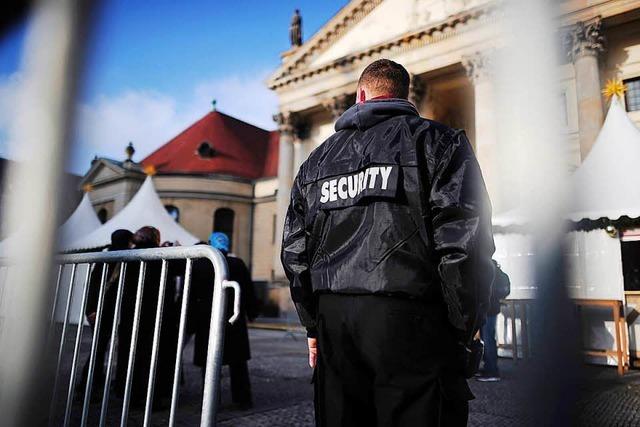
(219, 174)
(447, 47)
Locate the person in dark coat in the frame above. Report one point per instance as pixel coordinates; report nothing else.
(120, 240)
(500, 289)
(236, 338)
(147, 237)
(387, 247)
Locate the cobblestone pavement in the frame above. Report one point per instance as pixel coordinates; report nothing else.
(282, 392)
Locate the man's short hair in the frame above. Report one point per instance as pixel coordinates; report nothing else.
(386, 77)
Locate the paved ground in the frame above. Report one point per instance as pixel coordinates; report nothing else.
(282, 392)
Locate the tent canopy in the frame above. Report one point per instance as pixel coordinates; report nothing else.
(145, 209)
(607, 184)
(82, 221)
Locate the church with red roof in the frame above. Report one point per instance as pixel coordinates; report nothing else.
(219, 174)
(219, 144)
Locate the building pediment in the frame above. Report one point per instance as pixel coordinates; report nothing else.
(106, 170)
(364, 27)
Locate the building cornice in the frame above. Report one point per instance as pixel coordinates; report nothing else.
(203, 195)
(207, 176)
(265, 199)
(604, 9)
(433, 33)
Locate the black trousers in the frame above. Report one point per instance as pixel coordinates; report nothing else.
(240, 382)
(102, 348)
(387, 361)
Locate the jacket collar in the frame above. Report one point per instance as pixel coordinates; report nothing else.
(366, 115)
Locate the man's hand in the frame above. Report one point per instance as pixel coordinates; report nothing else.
(91, 318)
(313, 351)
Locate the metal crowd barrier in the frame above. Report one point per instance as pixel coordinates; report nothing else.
(143, 256)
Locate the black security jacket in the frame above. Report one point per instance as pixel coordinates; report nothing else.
(391, 204)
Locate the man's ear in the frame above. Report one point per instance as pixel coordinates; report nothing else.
(362, 96)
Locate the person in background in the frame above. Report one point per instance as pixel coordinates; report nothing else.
(120, 240)
(236, 338)
(147, 237)
(500, 289)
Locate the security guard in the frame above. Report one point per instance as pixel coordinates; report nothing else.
(387, 246)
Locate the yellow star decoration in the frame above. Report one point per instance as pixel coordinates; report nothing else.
(614, 87)
(150, 170)
(87, 188)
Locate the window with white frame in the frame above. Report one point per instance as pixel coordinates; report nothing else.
(632, 95)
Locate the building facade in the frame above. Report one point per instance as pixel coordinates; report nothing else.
(223, 174)
(219, 174)
(448, 48)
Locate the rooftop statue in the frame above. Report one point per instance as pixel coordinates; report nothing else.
(295, 30)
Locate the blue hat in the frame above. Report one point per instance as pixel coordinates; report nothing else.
(220, 241)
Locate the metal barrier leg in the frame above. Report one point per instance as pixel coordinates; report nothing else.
(156, 343)
(180, 346)
(214, 350)
(94, 347)
(54, 395)
(76, 351)
(114, 329)
(134, 342)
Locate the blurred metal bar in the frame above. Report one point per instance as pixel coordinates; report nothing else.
(76, 350)
(55, 294)
(41, 130)
(532, 144)
(134, 342)
(54, 394)
(180, 346)
(94, 345)
(112, 345)
(155, 345)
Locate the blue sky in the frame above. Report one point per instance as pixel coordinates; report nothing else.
(154, 68)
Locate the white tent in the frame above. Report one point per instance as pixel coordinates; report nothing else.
(145, 209)
(82, 221)
(606, 183)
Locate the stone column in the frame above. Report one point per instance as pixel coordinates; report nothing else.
(339, 104)
(586, 43)
(417, 90)
(286, 126)
(478, 67)
(300, 153)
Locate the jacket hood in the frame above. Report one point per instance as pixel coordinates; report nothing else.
(363, 116)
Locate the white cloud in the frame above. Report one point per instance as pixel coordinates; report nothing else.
(243, 97)
(105, 125)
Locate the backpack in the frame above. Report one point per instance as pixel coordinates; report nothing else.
(501, 287)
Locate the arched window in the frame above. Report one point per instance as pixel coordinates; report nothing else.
(174, 212)
(102, 215)
(223, 222)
